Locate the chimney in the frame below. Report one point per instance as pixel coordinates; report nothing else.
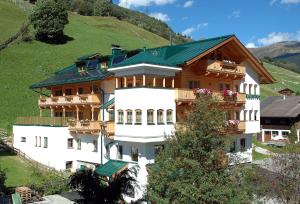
(116, 50)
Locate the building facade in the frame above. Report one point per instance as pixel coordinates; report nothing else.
(121, 107)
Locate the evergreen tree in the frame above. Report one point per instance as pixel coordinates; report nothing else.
(193, 166)
(49, 18)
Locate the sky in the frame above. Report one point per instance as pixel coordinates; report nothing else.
(255, 22)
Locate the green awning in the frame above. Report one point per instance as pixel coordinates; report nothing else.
(111, 167)
(107, 104)
(16, 198)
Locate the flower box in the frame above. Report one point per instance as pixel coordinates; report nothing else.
(206, 92)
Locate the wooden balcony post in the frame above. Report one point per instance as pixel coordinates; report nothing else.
(125, 82)
(51, 92)
(63, 91)
(92, 112)
(144, 80)
(173, 83)
(77, 92)
(134, 81)
(52, 112)
(77, 113)
(117, 82)
(154, 81)
(64, 112)
(164, 82)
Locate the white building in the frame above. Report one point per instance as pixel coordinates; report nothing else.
(116, 110)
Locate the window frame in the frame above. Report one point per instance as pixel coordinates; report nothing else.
(78, 141)
(129, 117)
(243, 149)
(120, 153)
(45, 142)
(23, 139)
(120, 117)
(160, 117)
(169, 118)
(140, 117)
(68, 146)
(150, 122)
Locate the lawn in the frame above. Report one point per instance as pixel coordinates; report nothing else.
(258, 156)
(17, 171)
(11, 19)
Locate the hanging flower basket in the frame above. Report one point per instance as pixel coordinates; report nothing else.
(228, 94)
(205, 92)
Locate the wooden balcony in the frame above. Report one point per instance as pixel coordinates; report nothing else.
(188, 95)
(224, 69)
(84, 127)
(42, 121)
(83, 99)
(108, 129)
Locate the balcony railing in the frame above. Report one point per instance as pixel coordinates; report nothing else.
(108, 128)
(226, 67)
(84, 127)
(189, 95)
(81, 99)
(42, 121)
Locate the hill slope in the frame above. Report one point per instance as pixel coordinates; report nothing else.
(25, 63)
(286, 54)
(11, 18)
(285, 78)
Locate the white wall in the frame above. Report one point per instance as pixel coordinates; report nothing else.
(251, 78)
(57, 152)
(144, 99)
(241, 156)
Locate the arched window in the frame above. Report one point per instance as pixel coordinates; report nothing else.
(150, 116)
(160, 116)
(138, 116)
(129, 117)
(120, 116)
(169, 116)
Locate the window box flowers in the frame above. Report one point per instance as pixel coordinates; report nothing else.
(232, 123)
(229, 95)
(204, 91)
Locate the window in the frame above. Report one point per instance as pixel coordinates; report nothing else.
(255, 87)
(120, 116)
(221, 87)
(57, 114)
(68, 92)
(70, 143)
(250, 115)
(95, 143)
(160, 116)
(158, 149)
(70, 114)
(245, 88)
(285, 134)
(138, 117)
(23, 139)
(111, 115)
(36, 141)
(129, 117)
(45, 142)
(194, 84)
(227, 86)
(134, 154)
(150, 117)
(237, 115)
(40, 141)
(255, 115)
(232, 147)
(250, 88)
(245, 115)
(69, 164)
(58, 93)
(243, 144)
(237, 89)
(78, 143)
(120, 152)
(169, 116)
(275, 133)
(80, 90)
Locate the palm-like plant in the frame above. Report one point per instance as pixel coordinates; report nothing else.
(95, 189)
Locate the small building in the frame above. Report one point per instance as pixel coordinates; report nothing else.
(278, 115)
(286, 92)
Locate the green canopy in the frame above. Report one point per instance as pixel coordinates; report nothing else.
(111, 167)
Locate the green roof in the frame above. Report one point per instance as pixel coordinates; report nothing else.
(107, 104)
(111, 167)
(174, 55)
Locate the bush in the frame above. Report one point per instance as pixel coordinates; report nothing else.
(2, 182)
(49, 18)
(102, 8)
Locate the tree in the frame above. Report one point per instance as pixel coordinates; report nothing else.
(95, 189)
(2, 182)
(293, 135)
(102, 8)
(49, 18)
(193, 168)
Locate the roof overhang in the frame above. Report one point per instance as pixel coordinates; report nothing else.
(265, 76)
(145, 68)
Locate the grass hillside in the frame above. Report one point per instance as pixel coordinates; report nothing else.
(25, 63)
(11, 18)
(285, 78)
